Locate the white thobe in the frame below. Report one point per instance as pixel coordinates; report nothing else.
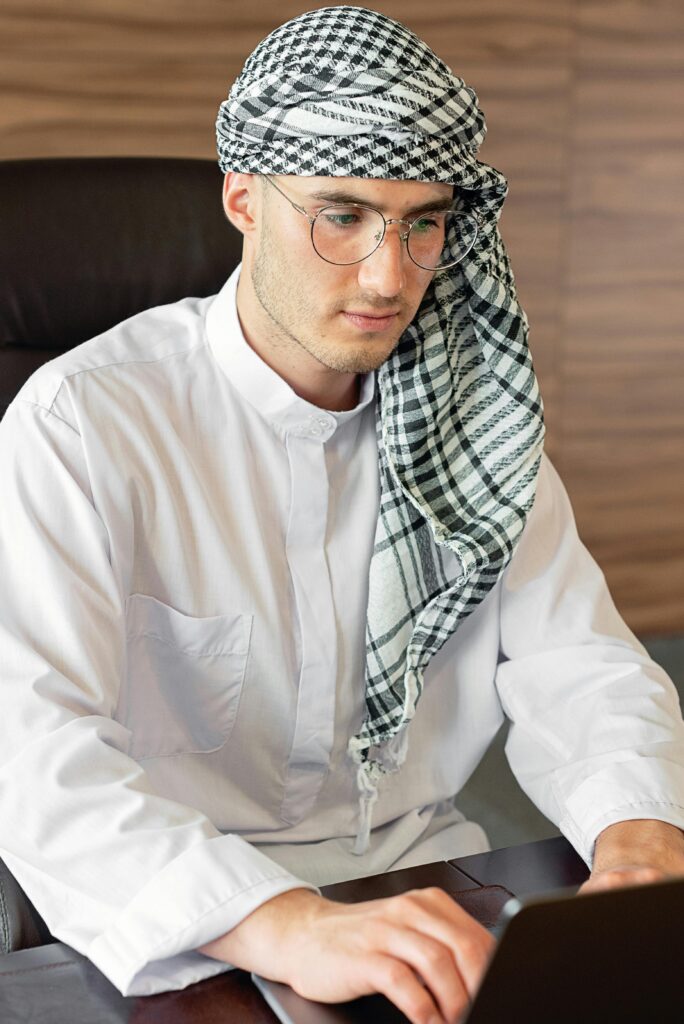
(184, 553)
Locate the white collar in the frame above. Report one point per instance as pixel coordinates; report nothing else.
(261, 386)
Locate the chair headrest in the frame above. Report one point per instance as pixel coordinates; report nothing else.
(87, 242)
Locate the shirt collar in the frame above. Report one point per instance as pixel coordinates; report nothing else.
(261, 386)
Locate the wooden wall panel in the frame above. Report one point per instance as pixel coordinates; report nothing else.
(622, 366)
(583, 100)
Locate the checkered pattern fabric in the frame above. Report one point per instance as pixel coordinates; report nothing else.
(344, 91)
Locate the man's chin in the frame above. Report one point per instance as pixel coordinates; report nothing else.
(365, 352)
(357, 358)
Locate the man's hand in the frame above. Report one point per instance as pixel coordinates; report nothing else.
(636, 853)
(420, 949)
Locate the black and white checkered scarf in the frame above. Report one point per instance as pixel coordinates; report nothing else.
(347, 92)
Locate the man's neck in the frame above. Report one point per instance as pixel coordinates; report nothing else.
(333, 395)
(310, 379)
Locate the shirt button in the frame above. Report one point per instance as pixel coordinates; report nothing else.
(321, 426)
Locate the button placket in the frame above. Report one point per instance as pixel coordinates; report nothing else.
(305, 546)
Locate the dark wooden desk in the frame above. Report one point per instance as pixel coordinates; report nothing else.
(55, 985)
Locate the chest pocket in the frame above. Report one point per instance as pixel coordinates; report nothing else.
(184, 678)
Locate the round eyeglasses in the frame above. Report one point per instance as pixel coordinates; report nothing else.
(349, 233)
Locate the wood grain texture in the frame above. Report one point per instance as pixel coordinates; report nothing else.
(584, 106)
(622, 364)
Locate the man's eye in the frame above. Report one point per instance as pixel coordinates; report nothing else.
(342, 220)
(425, 224)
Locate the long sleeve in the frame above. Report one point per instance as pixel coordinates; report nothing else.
(133, 880)
(596, 734)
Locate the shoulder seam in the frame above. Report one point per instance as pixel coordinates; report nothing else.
(50, 411)
(130, 362)
(104, 366)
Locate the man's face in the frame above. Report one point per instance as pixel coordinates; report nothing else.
(348, 318)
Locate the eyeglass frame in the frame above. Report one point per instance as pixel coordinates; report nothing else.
(387, 221)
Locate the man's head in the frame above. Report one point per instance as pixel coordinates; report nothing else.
(341, 99)
(349, 316)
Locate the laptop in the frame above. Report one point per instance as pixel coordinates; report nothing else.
(615, 956)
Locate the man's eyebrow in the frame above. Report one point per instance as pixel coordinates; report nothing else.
(340, 196)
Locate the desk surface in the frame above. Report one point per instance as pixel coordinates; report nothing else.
(55, 985)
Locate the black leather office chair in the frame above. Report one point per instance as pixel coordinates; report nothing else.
(86, 243)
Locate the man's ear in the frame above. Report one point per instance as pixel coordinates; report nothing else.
(241, 199)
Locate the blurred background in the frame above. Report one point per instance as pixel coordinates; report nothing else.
(584, 101)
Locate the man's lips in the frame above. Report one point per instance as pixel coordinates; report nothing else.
(370, 321)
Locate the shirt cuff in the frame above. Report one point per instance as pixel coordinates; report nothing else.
(203, 893)
(624, 792)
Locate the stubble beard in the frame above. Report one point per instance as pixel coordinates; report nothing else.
(290, 312)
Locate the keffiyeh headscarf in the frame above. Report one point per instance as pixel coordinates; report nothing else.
(347, 92)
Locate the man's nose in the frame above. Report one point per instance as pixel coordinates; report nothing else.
(384, 271)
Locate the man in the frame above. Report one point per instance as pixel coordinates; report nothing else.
(297, 546)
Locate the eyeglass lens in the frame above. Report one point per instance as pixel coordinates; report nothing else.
(348, 234)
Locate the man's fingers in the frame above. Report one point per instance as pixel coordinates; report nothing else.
(435, 914)
(395, 980)
(434, 963)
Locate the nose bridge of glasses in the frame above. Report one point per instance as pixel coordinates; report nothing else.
(403, 235)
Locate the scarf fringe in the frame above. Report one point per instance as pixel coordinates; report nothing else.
(368, 776)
